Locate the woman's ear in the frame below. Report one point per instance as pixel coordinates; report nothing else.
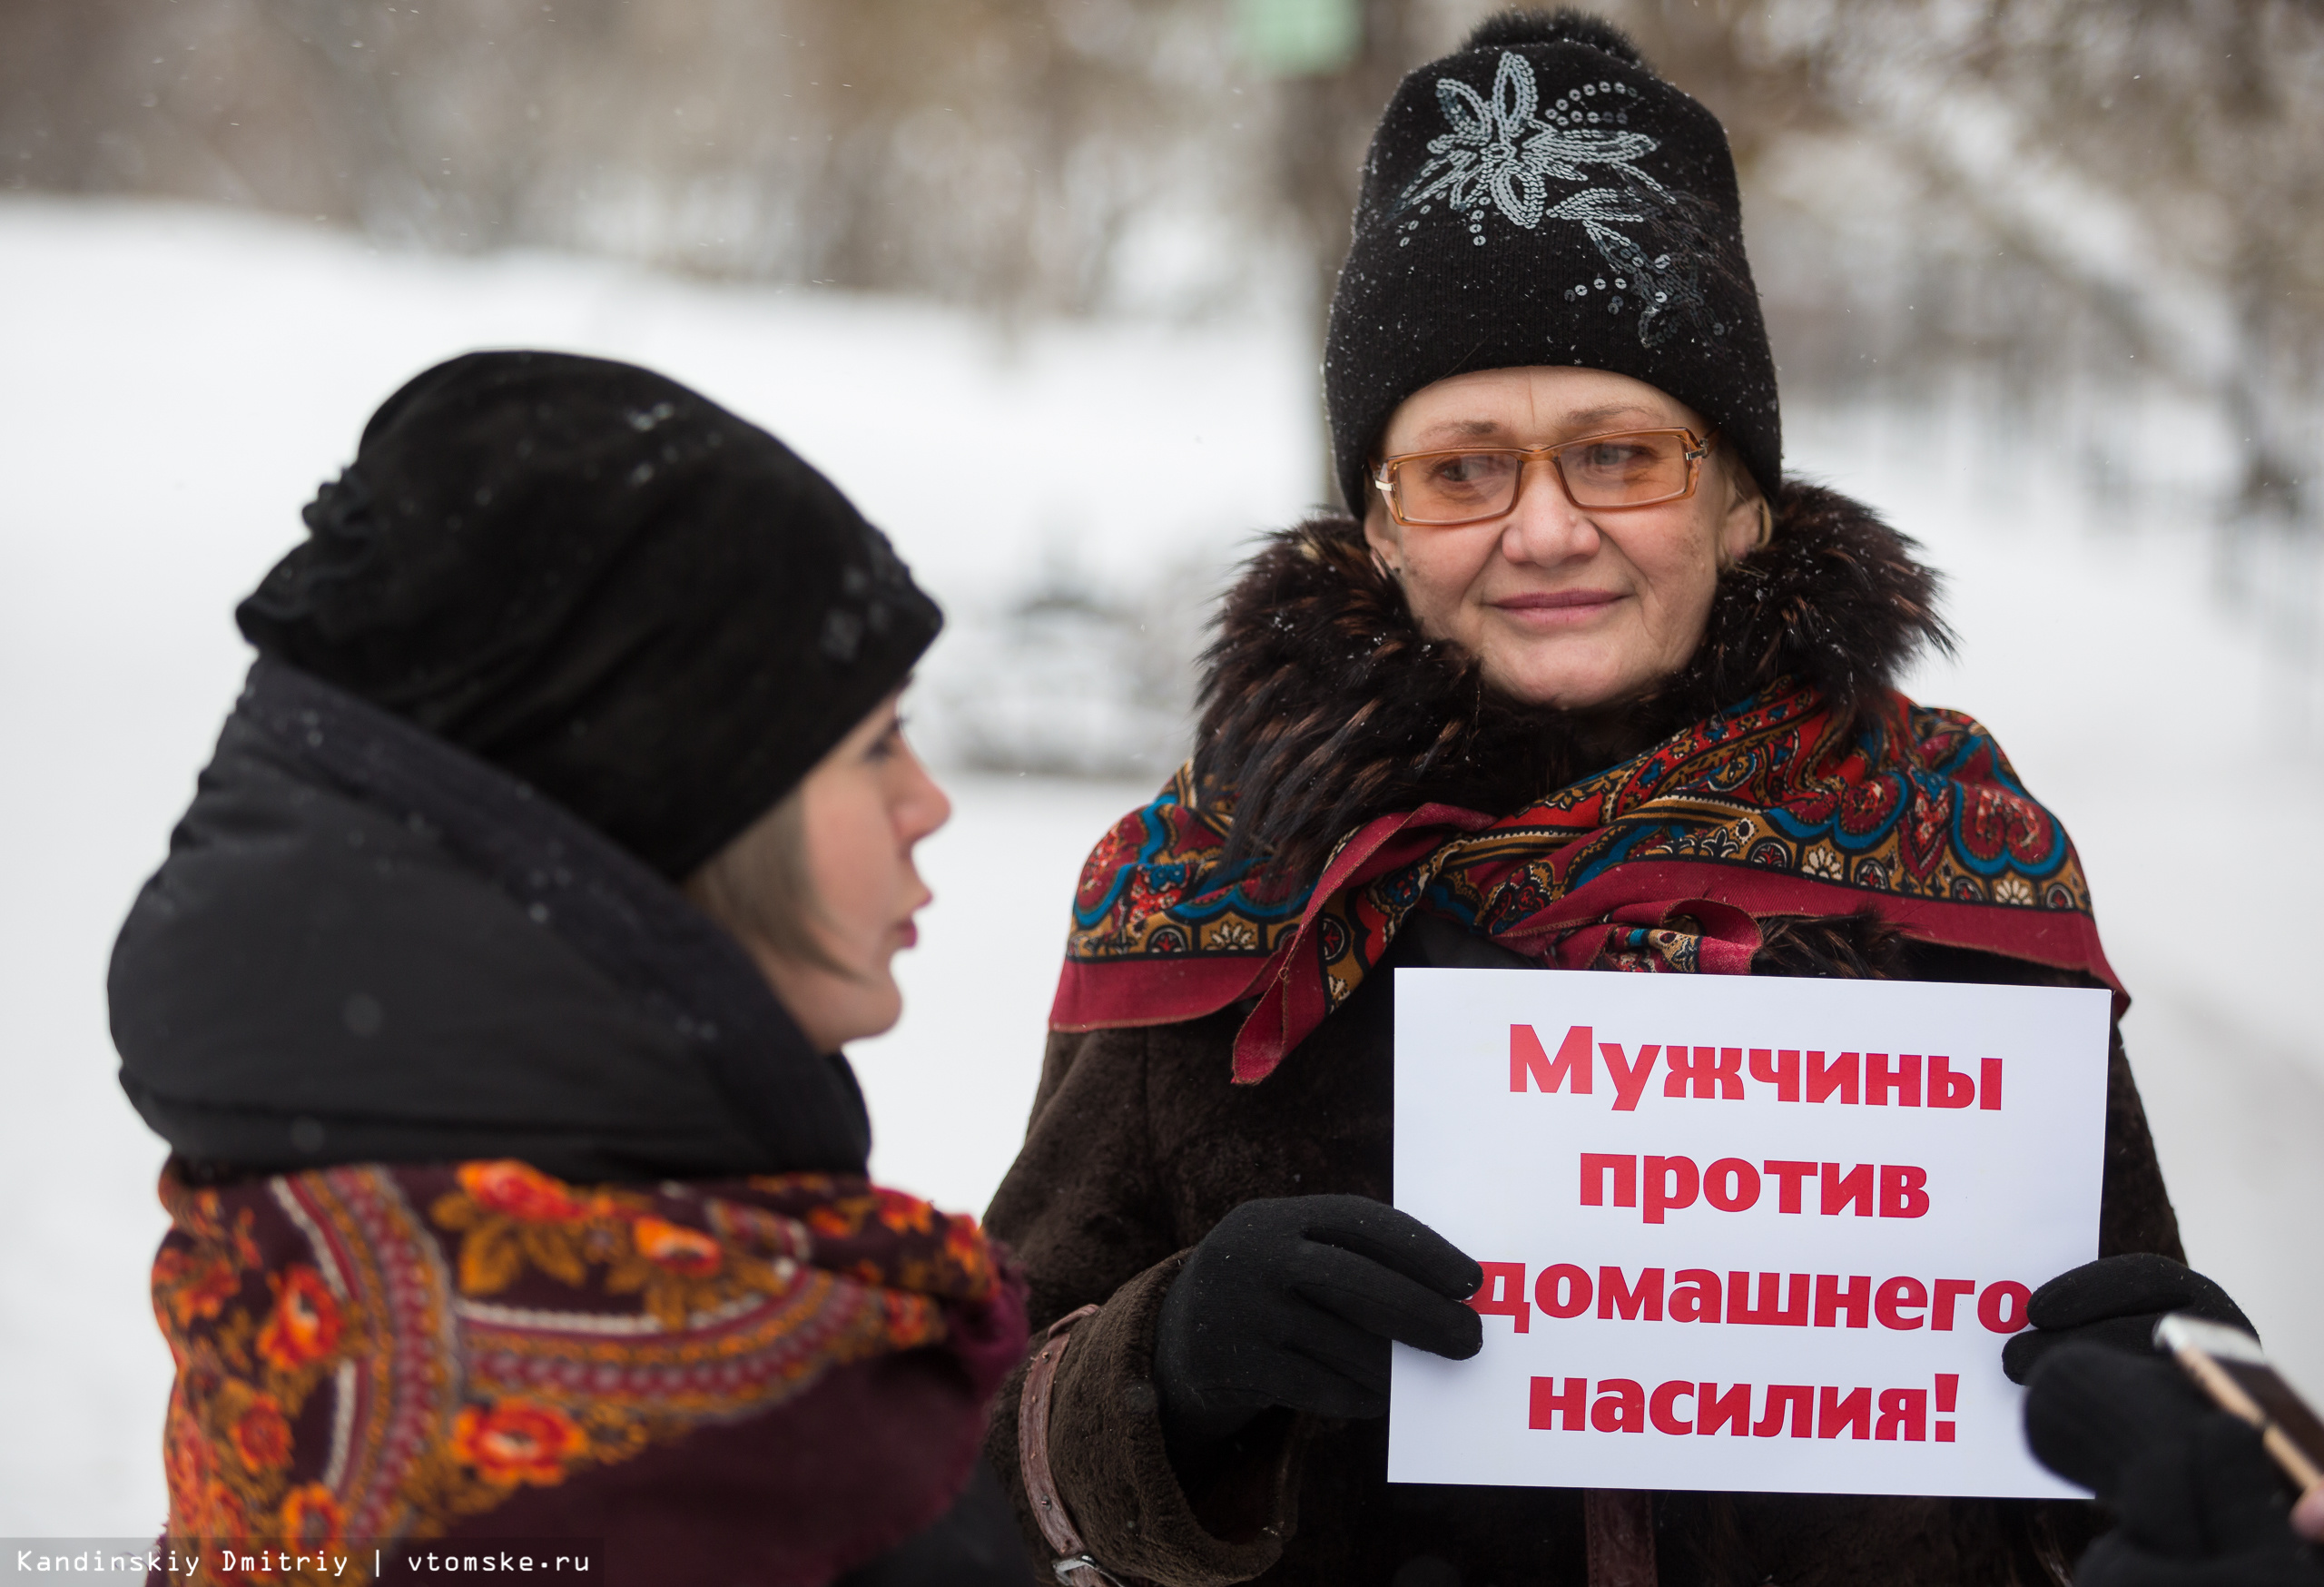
(1749, 521)
(1381, 532)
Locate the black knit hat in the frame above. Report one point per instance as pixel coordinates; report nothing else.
(1539, 196)
(604, 584)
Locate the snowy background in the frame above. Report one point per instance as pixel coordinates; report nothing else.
(178, 380)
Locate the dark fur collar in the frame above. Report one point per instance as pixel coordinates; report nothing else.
(1324, 706)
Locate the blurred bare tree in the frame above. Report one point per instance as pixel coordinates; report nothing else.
(2074, 206)
(990, 152)
(2118, 193)
(2050, 189)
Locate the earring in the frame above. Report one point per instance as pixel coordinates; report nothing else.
(1767, 524)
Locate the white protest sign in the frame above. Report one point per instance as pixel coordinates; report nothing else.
(1781, 1256)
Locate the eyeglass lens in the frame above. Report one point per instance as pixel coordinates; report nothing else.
(1614, 470)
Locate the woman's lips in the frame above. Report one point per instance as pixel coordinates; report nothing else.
(908, 932)
(1560, 609)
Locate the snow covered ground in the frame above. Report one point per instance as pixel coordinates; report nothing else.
(176, 382)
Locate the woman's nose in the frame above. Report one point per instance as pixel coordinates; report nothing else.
(1543, 526)
(925, 806)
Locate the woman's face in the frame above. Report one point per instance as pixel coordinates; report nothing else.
(1563, 606)
(864, 808)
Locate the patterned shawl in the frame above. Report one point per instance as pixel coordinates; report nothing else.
(1664, 863)
(401, 1354)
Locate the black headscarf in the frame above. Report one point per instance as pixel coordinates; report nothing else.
(374, 939)
(606, 585)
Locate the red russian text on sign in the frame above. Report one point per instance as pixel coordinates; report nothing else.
(1624, 1404)
(1672, 1184)
(1529, 1060)
(1701, 1295)
(1829, 1176)
(1712, 1071)
(1503, 1294)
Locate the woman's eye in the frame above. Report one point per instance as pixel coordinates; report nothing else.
(1469, 468)
(1611, 456)
(1627, 461)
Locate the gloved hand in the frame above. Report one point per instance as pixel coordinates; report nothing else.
(2114, 1301)
(2201, 1504)
(1292, 1302)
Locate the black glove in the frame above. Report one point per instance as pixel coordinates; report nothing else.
(2201, 1503)
(2115, 1301)
(1292, 1302)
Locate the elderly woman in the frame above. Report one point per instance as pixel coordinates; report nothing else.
(491, 1000)
(1583, 682)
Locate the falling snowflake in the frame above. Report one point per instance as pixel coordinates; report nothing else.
(1502, 153)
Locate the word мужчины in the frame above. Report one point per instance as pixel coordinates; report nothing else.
(1695, 1294)
(1869, 1078)
(1623, 1404)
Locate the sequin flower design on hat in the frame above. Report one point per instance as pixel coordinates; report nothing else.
(1502, 153)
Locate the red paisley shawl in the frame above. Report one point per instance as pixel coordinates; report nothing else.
(767, 1380)
(1667, 861)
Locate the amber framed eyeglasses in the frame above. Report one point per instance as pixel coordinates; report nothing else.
(1468, 485)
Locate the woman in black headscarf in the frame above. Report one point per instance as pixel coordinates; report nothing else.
(490, 1000)
(1580, 681)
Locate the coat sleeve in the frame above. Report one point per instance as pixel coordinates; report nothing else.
(2134, 1210)
(1082, 1211)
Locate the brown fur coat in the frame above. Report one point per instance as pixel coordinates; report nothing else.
(1324, 708)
